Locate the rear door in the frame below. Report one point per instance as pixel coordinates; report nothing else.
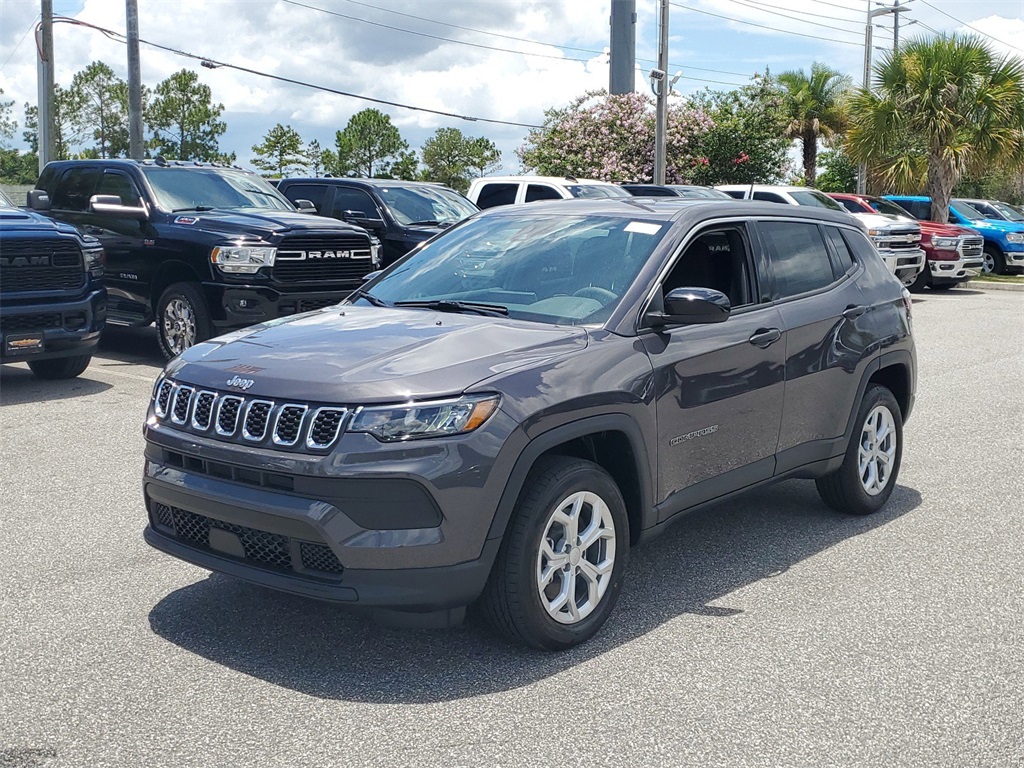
(828, 338)
(719, 387)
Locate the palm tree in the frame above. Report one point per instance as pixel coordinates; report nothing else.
(944, 107)
(816, 110)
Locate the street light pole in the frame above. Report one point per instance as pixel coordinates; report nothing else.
(44, 110)
(660, 81)
(135, 148)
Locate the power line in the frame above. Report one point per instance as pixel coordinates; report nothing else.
(764, 8)
(964, 23)
(764, 26)
(22, 40)
(120, 38)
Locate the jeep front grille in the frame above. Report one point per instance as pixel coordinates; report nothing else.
(249, 420)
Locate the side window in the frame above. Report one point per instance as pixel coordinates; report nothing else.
(119, 184)
(315, 193)
(842, 259)
(718, 259)
(851, 205)
(496, 194)
(920, 209)
(860, 245)
(799, 257)
(354, 200)
(541, 192)
(75, 188)
(736, 193)
(768, 197)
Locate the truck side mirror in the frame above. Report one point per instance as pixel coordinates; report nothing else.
(38, 200)
(111, 205)
(305, 206)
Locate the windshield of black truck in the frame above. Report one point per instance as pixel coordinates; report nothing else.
(422, 204)
(189, 189)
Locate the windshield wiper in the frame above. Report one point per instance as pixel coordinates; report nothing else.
(194, 208)
(451, 305)
(377, 302)
(426, 223)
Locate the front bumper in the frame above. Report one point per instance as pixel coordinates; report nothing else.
(1013, 258)
(964, 268)
(905, 264)
(52, 329)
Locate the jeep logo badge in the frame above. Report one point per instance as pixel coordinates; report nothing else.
(242, 384)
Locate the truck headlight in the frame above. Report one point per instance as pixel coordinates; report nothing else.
(1015, 237)
(879, 232)
(94, 261)
(375, 248)
(946, 243)
(242, 259)
(439, 418)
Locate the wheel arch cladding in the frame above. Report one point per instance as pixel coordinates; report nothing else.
(896, 378)
(168, 274)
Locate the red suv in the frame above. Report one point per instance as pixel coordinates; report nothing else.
(955, 254)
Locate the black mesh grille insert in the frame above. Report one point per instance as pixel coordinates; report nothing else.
(40, 265)
(227, 414)
(204, 410)
(268, 550)
(325, 427)
(39, 322)
(289, 423)
(319, 557)
(182, 400)
(256, 419)
(163, 397)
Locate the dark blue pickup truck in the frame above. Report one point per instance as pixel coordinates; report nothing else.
(52, 300)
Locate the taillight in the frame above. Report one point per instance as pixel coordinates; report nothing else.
(908, 304)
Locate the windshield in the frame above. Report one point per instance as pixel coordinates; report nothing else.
(550, 269)
(596, 190)
(189, 189)
(702, 193)
(815, 199)
(885, 206)
(1007, 211)
(968, 212)
(5, 201)
(409, 205)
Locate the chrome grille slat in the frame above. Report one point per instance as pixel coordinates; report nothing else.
(228, 409)
(257, 418)
(163, 397)
(182, 404)
(288, 423)
(202, 414)
(325, 427)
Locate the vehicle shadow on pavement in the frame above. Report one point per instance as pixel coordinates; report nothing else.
(18, 386)
(136, 346)
(320, 650)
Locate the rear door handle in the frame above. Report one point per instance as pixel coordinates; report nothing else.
(765, 337)
(852, 312)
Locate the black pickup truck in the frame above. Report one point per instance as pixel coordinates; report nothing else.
(52, 301)
(202, 248)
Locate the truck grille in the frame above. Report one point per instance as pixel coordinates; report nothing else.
(899, 240)
(64, 272)
(972, 247)
(236, 418)
(323, 259)
(263, 549)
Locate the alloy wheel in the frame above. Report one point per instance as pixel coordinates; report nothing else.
(179, 323)
(989, 264)
(877, 453)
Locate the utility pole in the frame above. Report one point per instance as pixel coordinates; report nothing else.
(659, 78)
(45, 113)
(896, 9)
(623, 47)
(135, 149)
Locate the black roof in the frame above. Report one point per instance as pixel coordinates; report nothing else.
(360, 181)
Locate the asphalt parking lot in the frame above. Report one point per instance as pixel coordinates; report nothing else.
(765, 632)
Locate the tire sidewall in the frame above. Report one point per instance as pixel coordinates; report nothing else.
(192, 295)
(550, 633)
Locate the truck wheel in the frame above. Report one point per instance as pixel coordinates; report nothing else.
(60, 367)
(994, 264)
(867, 476)
(182, 319)
(559, 569)
(920, 281)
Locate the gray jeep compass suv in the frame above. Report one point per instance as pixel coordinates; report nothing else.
(502, 414)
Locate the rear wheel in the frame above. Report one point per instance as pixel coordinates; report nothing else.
(182, 319)
(559, 570)
(60, 367)
(994, 263)
(867, 476)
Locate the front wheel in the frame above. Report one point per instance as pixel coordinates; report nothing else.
(994, 263)
(867, 476)
(60, 367)
(182, 319)
(920, 282)
(559, 570)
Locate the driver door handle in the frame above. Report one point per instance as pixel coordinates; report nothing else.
(765, 337)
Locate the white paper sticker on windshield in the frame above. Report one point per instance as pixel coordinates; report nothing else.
(643, 227)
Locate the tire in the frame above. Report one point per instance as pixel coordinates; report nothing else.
(920, 282)
(60, 367)
(513, 600)
(856, 492)
(182, 319)
(994, 263)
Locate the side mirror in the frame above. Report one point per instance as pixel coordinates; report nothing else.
(305, 206)
(110, 205)
(692, 306)
(38, 200)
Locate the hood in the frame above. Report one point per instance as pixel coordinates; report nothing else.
(20, 220)
(937, 229)
(266, 223)
(886, 220)
(351, 355)
(997, 225)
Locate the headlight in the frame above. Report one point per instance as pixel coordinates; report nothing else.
(242, 259)
(880, 232)
(375, 251)
(1015, 237)
(432, 419)
(946, 243)
(93, 260)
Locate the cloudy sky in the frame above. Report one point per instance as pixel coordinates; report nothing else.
(499, 60)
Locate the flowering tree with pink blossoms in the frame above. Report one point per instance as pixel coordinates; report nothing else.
(611, 137)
